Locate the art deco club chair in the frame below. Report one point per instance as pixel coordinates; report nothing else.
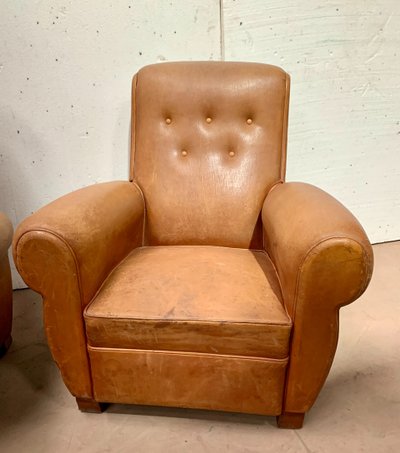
(6, 232)
(205, 281)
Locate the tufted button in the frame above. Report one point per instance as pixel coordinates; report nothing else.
(208, 120)
(231, 153)
(249, 121)
(168, 120)
(184, 152)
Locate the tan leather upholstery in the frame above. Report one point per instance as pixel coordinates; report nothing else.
(191, 304)
(206, 281)
(6, 232)
(205, 381)
(324, 261)
(64, 252)
(205, 182)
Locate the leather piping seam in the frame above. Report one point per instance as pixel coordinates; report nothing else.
(276, 184)
(118, 264)
(71, 250)
(299, 273)
(281, 300)
(64, 241)
(104, 281)
(307, 255)
(133, 154)
(133, 127)
(285, 127)
(190, 354)
(189, 321)
(281, 181)
(188, 350)
(268, 255)
(136, 185)
(243, 249)
(280, 286)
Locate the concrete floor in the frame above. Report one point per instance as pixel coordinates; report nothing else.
(358, 410)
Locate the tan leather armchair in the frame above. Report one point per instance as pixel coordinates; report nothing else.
(205, 281)
(6, 232)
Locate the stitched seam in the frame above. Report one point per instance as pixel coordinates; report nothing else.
(71, 250)
(133, 126)
(118, 264)
(64, 241)
(277, 276)
(262, 209)
(273, 187)
(299, 273)
(133, 156)
(103, 283)
(151, 347)
(300, 268)
(281, 287)
(189, 321)
(201, 246)
(136, 185)
(186, 353)
(284, 128)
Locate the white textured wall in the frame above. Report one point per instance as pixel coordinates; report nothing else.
(344, 126)
(66, 68)
(65, 80)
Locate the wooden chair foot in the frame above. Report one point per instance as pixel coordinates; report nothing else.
(90, 405)
(5, 346)
(290, 420)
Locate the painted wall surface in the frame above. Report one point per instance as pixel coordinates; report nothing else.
(66, 68)
(65, 81)
(344, 126)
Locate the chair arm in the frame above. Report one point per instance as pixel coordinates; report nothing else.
(6, 232)
(324, 261)
(97, 226)
(65, 251)
(305, 227)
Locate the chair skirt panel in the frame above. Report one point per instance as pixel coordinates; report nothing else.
(191, 380)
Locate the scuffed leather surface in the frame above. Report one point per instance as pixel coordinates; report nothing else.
(64, 251)
(6, 232)
(208, 196)
(192, 298)
(204, 381)
(324, 261)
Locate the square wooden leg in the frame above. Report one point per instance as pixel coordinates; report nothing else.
(290, 420)
(90, 405)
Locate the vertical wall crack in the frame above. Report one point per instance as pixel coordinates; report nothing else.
(221, 29)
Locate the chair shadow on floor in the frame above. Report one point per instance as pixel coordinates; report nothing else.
(196, 414)
(27, 371)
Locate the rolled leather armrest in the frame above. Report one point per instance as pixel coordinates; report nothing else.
(324, 261)
(305, 229)
(65, 251)
(6, 233)
(96, 227)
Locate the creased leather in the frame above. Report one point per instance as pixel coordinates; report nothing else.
(65, 251)
(324, 261)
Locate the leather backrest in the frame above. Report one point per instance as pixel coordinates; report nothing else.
(208, 143)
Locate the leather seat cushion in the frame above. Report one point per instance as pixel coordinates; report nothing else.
(191, 298)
